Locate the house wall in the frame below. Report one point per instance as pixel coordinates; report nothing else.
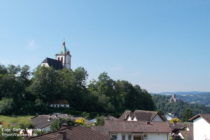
(46, 129)
(157, 119)
(149, 136)
(156, 136)
(45, 65)
(201, 129)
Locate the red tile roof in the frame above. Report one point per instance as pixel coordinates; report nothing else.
(73, 133)
(133, 126)
(188, 133)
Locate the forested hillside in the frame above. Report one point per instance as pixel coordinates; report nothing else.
(192, 97)
(25, 92)
(180, 109)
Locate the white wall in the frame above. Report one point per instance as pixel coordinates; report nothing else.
(157, 119)
(68, 61)
(201, 129)
(156, 136)
(45, 65)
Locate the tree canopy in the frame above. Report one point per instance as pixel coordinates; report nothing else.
(26, 92)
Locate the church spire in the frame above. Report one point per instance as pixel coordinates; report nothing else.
(64, 43)
(64, 50)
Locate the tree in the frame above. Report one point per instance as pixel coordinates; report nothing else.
(45, 84)
(187, 114)
(80, 76)
(117, 96)
(6, 105)
(175, 120)
(56, 125)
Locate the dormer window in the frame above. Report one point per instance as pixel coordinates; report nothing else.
(134, 119)
(129, 118)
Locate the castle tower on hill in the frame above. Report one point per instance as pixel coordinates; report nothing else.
(63, 59)
(173, 99)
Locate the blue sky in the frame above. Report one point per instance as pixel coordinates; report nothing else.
(162, 45)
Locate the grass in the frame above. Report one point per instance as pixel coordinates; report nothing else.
(16, 121)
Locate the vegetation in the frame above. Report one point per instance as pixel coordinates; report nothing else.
(16, 121)
(80, 121)
(62, 122)
(180, 109)
(25, 93)
(175, 120)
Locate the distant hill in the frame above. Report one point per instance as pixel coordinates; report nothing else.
(178, 108)
(191, 97)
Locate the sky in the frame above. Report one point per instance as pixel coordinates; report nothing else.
(161, 45)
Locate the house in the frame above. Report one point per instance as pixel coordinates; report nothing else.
(49, 62)
(134, 130)
(169, 116)
(72, 133)
(43, 122)
(173, 99)
(182, 131)
(142, 115)
(136, 125)
(188, 132)
(59, 104)
(63, 59)
(201, 127)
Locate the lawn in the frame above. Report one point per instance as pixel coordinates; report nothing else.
(16, 121)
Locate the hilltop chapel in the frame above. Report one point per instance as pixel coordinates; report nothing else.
(63, 59)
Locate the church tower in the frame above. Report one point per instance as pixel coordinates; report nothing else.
(64, 57)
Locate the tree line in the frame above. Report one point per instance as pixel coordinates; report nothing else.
(26, 92)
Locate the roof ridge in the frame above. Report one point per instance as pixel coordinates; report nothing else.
(51, 132)
(146, 111)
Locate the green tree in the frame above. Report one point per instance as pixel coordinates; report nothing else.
(45, 84)
(56, 125)
(187, 114)
(6, 105)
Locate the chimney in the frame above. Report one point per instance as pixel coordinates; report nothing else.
(148, 122)
(64, 126)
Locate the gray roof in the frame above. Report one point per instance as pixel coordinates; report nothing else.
(53, 63)
(42, 121)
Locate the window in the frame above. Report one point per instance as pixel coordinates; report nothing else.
(123, 137)
(138, 138)
(114, 137)
(129, 137)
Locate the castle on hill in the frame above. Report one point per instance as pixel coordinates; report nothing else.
(173, 98)
(63, 59)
